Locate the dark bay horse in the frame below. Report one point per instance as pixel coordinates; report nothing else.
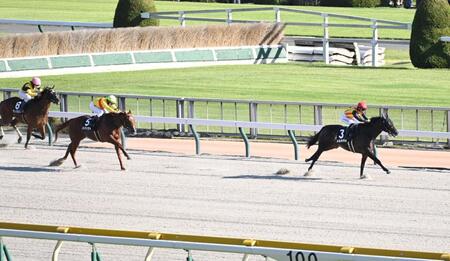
(35, 114)
(362, 142)
(107, 130)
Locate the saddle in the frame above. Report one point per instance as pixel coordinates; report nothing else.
(19, 107)
(346, 134)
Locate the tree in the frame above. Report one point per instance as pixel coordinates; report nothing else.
(128, 13)
(431, 21)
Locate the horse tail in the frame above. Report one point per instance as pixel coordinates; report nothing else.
(313, 140)
(60, 127)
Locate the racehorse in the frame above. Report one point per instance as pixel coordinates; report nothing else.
(362, 142)
(107, 130)
(35, 114)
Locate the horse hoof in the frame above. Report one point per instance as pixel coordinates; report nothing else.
(123, 169)
(128, 158)
(388, 172)
(365, 177)
(1, 137)
(57, 162)
(78, 166)
(19, 140)
(308, 173)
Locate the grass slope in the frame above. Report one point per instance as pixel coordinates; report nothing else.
(284, 82)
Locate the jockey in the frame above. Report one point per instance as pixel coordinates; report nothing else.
(102, 105)
(30, 89)
(355, 114)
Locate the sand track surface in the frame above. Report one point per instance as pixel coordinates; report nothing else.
(219, 195)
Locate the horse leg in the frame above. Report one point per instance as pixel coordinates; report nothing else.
(2, 133)
(314, 158)
(363, 162)
(60, 161)
(116, 142)
(73, 146)
(377, 161)
(29, 129)
(119, 156)
(41, 130)
(13, 124)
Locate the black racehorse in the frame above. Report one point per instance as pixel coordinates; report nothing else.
(362, 142)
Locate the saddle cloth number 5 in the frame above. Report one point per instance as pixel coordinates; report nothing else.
(87, 123)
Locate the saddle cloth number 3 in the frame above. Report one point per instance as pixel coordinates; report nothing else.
(341, 133)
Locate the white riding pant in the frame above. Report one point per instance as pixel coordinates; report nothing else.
(24, 96)
(99, 112)
(348, 121)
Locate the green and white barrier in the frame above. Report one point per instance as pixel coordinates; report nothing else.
(154, 58)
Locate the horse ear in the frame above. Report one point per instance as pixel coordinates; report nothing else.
(129, 112)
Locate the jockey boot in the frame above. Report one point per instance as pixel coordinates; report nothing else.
(349, 133)
(94, 120)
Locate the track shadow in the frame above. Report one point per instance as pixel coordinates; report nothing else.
(271, 177)
(28, 169)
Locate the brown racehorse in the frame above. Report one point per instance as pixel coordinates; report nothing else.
(107, 130)
(35, 114)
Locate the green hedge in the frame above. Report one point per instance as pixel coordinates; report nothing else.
(351, 3)
(128, 13)
(431, 21)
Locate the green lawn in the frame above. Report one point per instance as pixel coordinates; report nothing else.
(284, 82)
(103, 11)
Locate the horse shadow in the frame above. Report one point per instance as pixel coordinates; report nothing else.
(272, 177)
(28, 169)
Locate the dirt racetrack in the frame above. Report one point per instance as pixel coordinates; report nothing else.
(222, 195)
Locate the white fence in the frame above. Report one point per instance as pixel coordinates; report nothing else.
(270, 250)
(375, 24)
(241, 125)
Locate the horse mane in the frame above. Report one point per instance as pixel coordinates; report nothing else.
(375, 118)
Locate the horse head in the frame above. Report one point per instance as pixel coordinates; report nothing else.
(50, 94)
(388, 125)
(128, 121)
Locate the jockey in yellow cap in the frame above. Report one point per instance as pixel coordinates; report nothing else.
(102, 105)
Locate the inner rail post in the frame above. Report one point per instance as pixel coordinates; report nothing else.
(247, 144)
(294, 142)
(197, 139)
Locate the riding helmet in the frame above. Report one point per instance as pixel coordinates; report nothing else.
(36, 81)
(362, 105)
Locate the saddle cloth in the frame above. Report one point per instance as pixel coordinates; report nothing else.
(89, 124)
(342, 135)
(18, 107)
(346, 134)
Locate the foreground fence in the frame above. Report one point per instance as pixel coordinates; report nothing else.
(270, 250)
(424, 124)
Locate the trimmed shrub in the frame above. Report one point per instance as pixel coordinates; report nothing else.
(351, 3)
(128, 13)
(431, 21)
(271, 2)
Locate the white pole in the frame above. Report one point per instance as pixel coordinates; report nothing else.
(277, 15)
(374, 43)
(326, 39)
(182, 18)
(229, 16)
